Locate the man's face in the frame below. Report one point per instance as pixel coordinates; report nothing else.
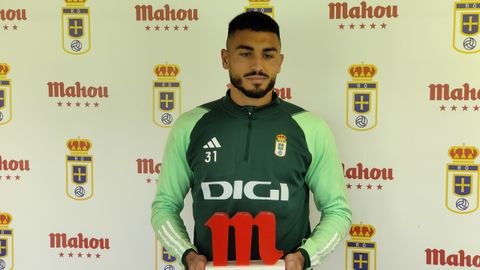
(253, 60)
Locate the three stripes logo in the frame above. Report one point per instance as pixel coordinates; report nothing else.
(212, 144)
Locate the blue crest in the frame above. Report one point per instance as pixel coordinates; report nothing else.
(462, 185)
(361, 103)
(3, 248)
(167, 101)
(360, 261)
(2, 98)
(79, 174)
(75, 27)
(469, 24)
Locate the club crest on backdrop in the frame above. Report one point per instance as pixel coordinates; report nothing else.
(361, 252)
(261, 6)
(362, 97)
(462, 188)
(79, 166)
(166, 95)
(76, 27)
(5, 95)
(6, 242)
(466, 26)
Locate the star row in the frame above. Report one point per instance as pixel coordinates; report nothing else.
(77, 104)
(149, 180)
(10, 177)
(353, 26)
(360, 186)
(78, 255)
(464, 108)
(12, 27)
(166, 28)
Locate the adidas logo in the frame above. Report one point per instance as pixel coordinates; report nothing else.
(213, 143)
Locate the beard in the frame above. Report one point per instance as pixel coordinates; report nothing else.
(256, 92)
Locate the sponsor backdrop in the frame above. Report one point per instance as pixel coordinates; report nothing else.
(89, 91)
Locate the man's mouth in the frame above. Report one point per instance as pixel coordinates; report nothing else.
(256, 79)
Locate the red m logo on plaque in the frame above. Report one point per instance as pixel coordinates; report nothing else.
(243, 223)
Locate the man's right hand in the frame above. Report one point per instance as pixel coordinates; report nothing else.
(195, 261)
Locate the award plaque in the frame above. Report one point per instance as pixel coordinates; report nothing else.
(243, 223)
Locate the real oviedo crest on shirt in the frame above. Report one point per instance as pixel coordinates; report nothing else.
(79, 166)
(76, 27)
(466, 26)
(166, 95)
(362, 97)
(462, 192)
(280, 145)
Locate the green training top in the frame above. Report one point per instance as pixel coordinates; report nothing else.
(252, 159)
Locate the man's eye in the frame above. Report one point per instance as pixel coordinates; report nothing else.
(246, 54)
(268, 56)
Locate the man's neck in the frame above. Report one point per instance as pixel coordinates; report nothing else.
(242, 100)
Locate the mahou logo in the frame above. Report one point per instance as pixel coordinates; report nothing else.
(12, 18)
(149, 168)
(462, 180)
(5, 95)
(76, 27)
(361, 177)
(79, 169)
(454, 99)
(435, 256)
(167, 95)
(284, 92)
(362, 16)
(165, 18)
(362, 97)
(361, 251)
(466, 21)
(261, 6)
(77, 95)
(11, 169)
(6, 242)
(79, 246)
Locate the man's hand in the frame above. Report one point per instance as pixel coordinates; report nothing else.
(195, 261)
(294, 261)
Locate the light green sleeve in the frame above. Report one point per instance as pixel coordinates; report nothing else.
(173, 185)
(326, 181)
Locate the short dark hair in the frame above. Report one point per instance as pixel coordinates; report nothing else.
(255, 21)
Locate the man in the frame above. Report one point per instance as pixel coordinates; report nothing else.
(250, 151)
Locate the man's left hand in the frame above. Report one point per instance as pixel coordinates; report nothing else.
(294, 261)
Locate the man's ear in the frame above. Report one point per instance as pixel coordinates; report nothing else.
(224, 55)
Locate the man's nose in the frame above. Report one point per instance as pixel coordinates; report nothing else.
(257, 63)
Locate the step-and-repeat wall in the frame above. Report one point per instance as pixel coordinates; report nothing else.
(89, 91)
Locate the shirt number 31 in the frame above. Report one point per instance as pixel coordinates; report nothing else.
(210, 156)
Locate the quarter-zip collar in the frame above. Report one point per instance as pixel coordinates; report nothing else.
(251, 112)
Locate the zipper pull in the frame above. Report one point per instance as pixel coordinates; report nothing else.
(250, 111)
